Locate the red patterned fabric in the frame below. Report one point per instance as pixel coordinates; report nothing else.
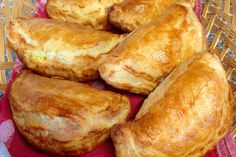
(18, 147)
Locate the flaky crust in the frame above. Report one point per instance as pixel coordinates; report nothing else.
(59, 49)
(131, 14)
(140, 62)
(186, 115)
(92, 13)
(64, 117)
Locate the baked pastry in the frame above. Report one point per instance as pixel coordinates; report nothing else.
(131, 14)
(140, 62)
(58, 49)
(92, 13)
(64, 117)
(186, 115)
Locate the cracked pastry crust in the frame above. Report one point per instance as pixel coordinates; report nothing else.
(131, 14)
(144, 57)
(64, 117)
(54, 48)
(92, 13)
(186, 115)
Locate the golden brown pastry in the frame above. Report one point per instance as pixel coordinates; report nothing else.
(64, 117)
(131, 14)
(186, 115)
(58, 49)
(148, 54)
(92, 13)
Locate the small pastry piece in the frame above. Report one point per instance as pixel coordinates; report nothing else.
(92, 13)
(64, 117)
(148, 54)
(131, 14)
(58, 49)
(186, 115)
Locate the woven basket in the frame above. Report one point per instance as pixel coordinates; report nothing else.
(219, 18)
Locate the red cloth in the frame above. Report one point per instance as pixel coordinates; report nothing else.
(17, 146)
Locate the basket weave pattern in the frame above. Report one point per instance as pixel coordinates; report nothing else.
(219, 18)
(10, 10)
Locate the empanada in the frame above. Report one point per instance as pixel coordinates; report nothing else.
(54, 48)
(186, 115)
(140, 62)
(64, 117)
(131, 14)
(92, 13)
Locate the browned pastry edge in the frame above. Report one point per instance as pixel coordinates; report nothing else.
(131, 135)
(107, 74)
(117, 15)
(47, 69)
(87, 65)
(34, 134)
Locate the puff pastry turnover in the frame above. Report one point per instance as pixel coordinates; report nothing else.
(148, 54)
(92, 13)
(58, 49)
(64, 117)
(186, 115)
(130, 14)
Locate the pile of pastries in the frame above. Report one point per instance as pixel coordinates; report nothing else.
(150, 47)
